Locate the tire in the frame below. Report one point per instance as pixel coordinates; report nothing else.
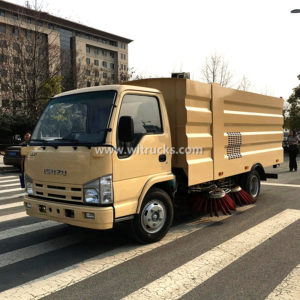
(251, 184)
(155, 217)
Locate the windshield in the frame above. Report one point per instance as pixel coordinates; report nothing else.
(75, 119)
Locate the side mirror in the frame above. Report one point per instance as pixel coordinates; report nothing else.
(125, 129)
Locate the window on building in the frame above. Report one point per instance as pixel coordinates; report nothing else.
(51, 26)
(3, 73)
(39, 23)
(28, 20)
(30, 76)
(104, 41)
(16, 46)
(145, 113)
(87, 36)
(96, 51)
(29, 49)
(3, 58)
(42, 52)
(16, 60)
(113, 43)
(5, 103)
(96, 83)
(15, 16)
(15, 31)
(96, 62)
(124, 68)
(104, 64)
(104, 75)
(88, 84)
(2, 13)
(88, 61)
(3, 44)
(4, 87)
(96, 73)
(28, 34)
(2, 28)
(104, 52)
(112, 66)
(17, 74)
(121, 67)
(88, 49)
(112, 54)
(17, 104)
(123, 45)
(88, 72)
(112, 76)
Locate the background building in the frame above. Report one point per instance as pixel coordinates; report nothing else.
(36, 48)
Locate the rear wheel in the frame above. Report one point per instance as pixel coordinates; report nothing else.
(251, 184)
(155, 217)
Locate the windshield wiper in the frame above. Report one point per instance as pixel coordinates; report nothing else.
(67, 140)
(44, 142)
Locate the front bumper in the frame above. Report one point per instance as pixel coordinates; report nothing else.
(71, 213)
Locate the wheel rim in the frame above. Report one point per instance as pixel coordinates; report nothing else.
(153, 216)
(254, 186)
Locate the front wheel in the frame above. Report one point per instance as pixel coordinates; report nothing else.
(155, 217)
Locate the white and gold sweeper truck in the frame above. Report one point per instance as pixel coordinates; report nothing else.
(80, 168)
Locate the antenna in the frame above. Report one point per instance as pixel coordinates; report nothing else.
(27, 4)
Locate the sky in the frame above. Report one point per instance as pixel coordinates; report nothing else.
(257, 38)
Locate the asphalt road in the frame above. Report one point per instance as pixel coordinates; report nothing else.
(252, 254)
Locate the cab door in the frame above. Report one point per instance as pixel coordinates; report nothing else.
(146, 155)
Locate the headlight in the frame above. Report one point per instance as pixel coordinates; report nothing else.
(28, 185)
(91, 196)
(99, 191)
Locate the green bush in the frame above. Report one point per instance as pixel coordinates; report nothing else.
(11, 125)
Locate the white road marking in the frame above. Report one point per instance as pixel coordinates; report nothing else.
(289, 288)
(9, 233)
(18, 255)
(11, 190)
(182, 280)
(11, 184)
(10, 180)
(13, 216)
(8, 177)
(12, 196)
(61, 279)
(11, 205)
(281, 184)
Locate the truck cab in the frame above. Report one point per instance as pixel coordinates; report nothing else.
(91, 161)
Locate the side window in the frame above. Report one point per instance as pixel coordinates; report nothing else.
(145, 112)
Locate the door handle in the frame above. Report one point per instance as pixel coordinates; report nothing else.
(162, 158)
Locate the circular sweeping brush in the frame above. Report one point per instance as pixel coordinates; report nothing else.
(240, 196)
(219, 200)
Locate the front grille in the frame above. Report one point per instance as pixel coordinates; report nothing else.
(59, 191)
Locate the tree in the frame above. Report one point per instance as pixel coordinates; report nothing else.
(244, 84)
(30, 60)
(294, 108)
(216, 70)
